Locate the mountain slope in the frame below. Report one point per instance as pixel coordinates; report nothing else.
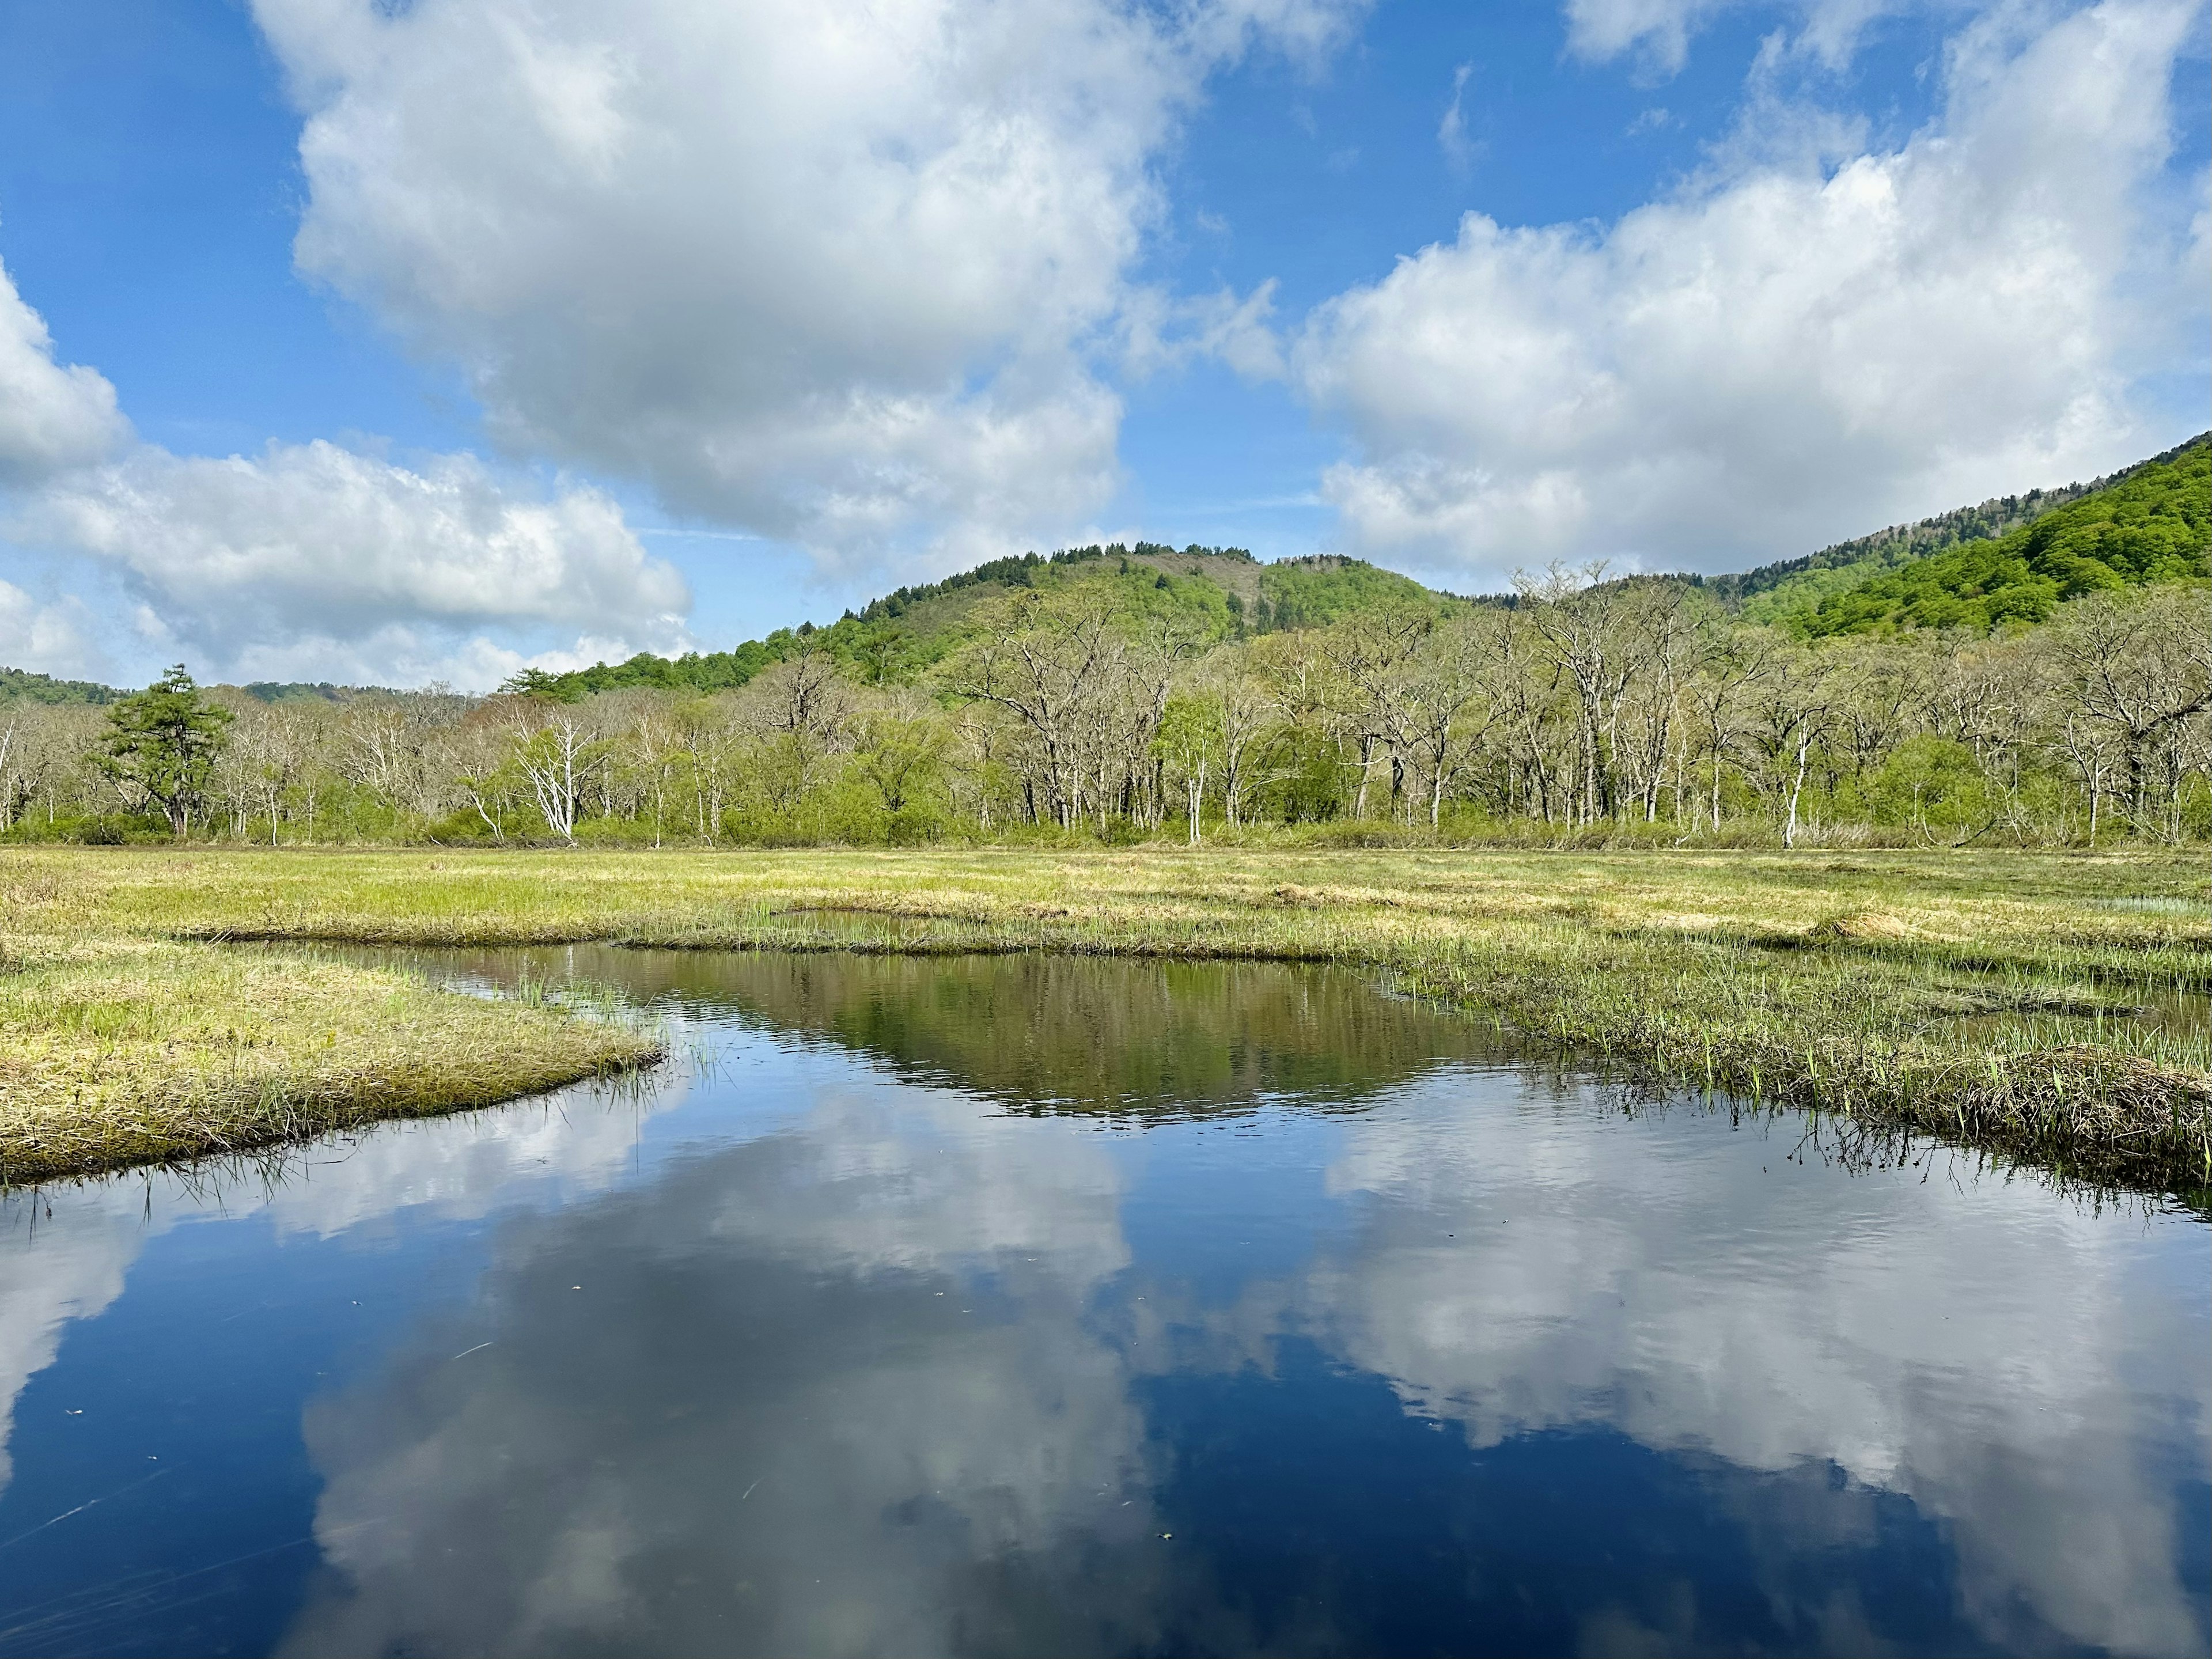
(1222, 592)
(2012, 558)
(2154, 526)
(1790, 592)
(1793, 588)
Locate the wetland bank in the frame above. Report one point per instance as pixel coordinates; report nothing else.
(2045, 1007)
(1029, 1301)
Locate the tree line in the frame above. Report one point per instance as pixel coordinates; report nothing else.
(1629, 711)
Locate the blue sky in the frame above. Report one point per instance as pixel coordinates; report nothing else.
(372, 341)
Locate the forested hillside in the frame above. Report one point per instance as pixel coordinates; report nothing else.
(2154, 526)
(1217, 593)
(1780, 592)
(2012, 559)
(1790, 594)
(20, 685)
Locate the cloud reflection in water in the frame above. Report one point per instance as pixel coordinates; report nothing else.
(1405, 1347)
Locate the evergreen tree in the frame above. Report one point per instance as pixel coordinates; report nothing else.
(161, 745)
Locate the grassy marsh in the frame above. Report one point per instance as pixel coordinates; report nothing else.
(118, 1048)
(1987, 997)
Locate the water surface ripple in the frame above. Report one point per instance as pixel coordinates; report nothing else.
(1033, 1305)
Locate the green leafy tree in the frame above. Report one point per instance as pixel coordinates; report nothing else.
(162, 746)
(900, 752)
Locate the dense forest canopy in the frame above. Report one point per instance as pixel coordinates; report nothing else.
(2050, 683)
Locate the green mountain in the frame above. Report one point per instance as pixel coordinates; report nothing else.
(1773, 591)
(2015, 558)
(1791, 593)
(1222, 592)
(2152, 524)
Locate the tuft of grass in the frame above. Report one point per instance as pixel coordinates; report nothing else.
(1985, 997)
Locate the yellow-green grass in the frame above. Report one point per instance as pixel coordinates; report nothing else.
(118, 1050)
(1978, 996)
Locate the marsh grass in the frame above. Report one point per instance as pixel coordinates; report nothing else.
(118, 1051)
(1980, 997)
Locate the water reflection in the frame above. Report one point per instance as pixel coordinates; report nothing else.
(1041, 1033)
(1309, 1323)
(821, 1391)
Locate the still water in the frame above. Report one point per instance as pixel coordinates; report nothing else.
(1037, 1306)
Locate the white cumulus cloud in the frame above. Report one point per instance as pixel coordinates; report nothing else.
(53, 416)
(308, 561)
(47, 637)
(1788, 349)
(834, 270)
(309, 555)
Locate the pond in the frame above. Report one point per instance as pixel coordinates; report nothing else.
(1033, 1305)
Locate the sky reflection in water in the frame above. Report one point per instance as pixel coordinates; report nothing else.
(1304, 1320)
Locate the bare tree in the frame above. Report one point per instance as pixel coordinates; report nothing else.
(1791, 708)
(1368, 656)
(2140, 664)
(1049, 661)
(798, 712)
(559, 752)
(1438, 701)
(479, 756)
(1245, 716)
(44, 753)
(1590, 627)
(1188, 740)
(391, 740)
